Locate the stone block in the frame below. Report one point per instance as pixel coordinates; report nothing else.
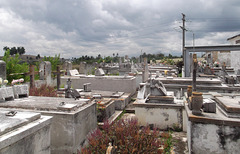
(6, 93)
(209, 106)
(20, 91)
(87, 87)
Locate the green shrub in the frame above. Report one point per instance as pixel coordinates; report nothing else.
(13, 66)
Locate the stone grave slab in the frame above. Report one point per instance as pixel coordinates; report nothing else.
(74, 72)
(72, 119)
(121, 99)
(229, 105)
(24, 132)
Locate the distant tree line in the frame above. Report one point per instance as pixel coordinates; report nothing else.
(115, 58)
(15, 50)
(97, 59)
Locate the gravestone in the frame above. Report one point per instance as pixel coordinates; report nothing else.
(207, 70)
(99, 72)
(2, 69)
(45, 71)
(145, 71)
(67, 66)
(83, 68)
(73, 72)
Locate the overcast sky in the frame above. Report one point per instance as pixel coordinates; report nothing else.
(73, 28)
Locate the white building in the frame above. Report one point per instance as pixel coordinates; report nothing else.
(235, 55)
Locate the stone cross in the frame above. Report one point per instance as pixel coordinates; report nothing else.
(195, 65)
(32, 74)
(58, 73)
(2, 69)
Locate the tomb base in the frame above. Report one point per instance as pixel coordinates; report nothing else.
(25, 132)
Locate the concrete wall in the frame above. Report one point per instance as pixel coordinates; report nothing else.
(162, 117)
(69, 130)
(224, 57)
(211, 138)
(235, 60)
(28, 139)
(105, 83)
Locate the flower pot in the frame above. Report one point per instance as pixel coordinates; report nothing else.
(196, 103)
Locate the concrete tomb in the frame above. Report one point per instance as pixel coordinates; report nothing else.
(155, 106)
(120, 99)
(155, 92)
(105, 109)
(24, 132)
(72, 119)
(105, 83)
(215, 131)
(45, 70)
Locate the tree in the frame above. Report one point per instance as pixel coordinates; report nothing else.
(38, 56)
(13, 66)
(13, 51)
(54, 61)
(20, 50)
(5, 48)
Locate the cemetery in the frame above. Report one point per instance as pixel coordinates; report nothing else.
(203, 104)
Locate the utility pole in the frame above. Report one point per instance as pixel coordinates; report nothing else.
(183, 35)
